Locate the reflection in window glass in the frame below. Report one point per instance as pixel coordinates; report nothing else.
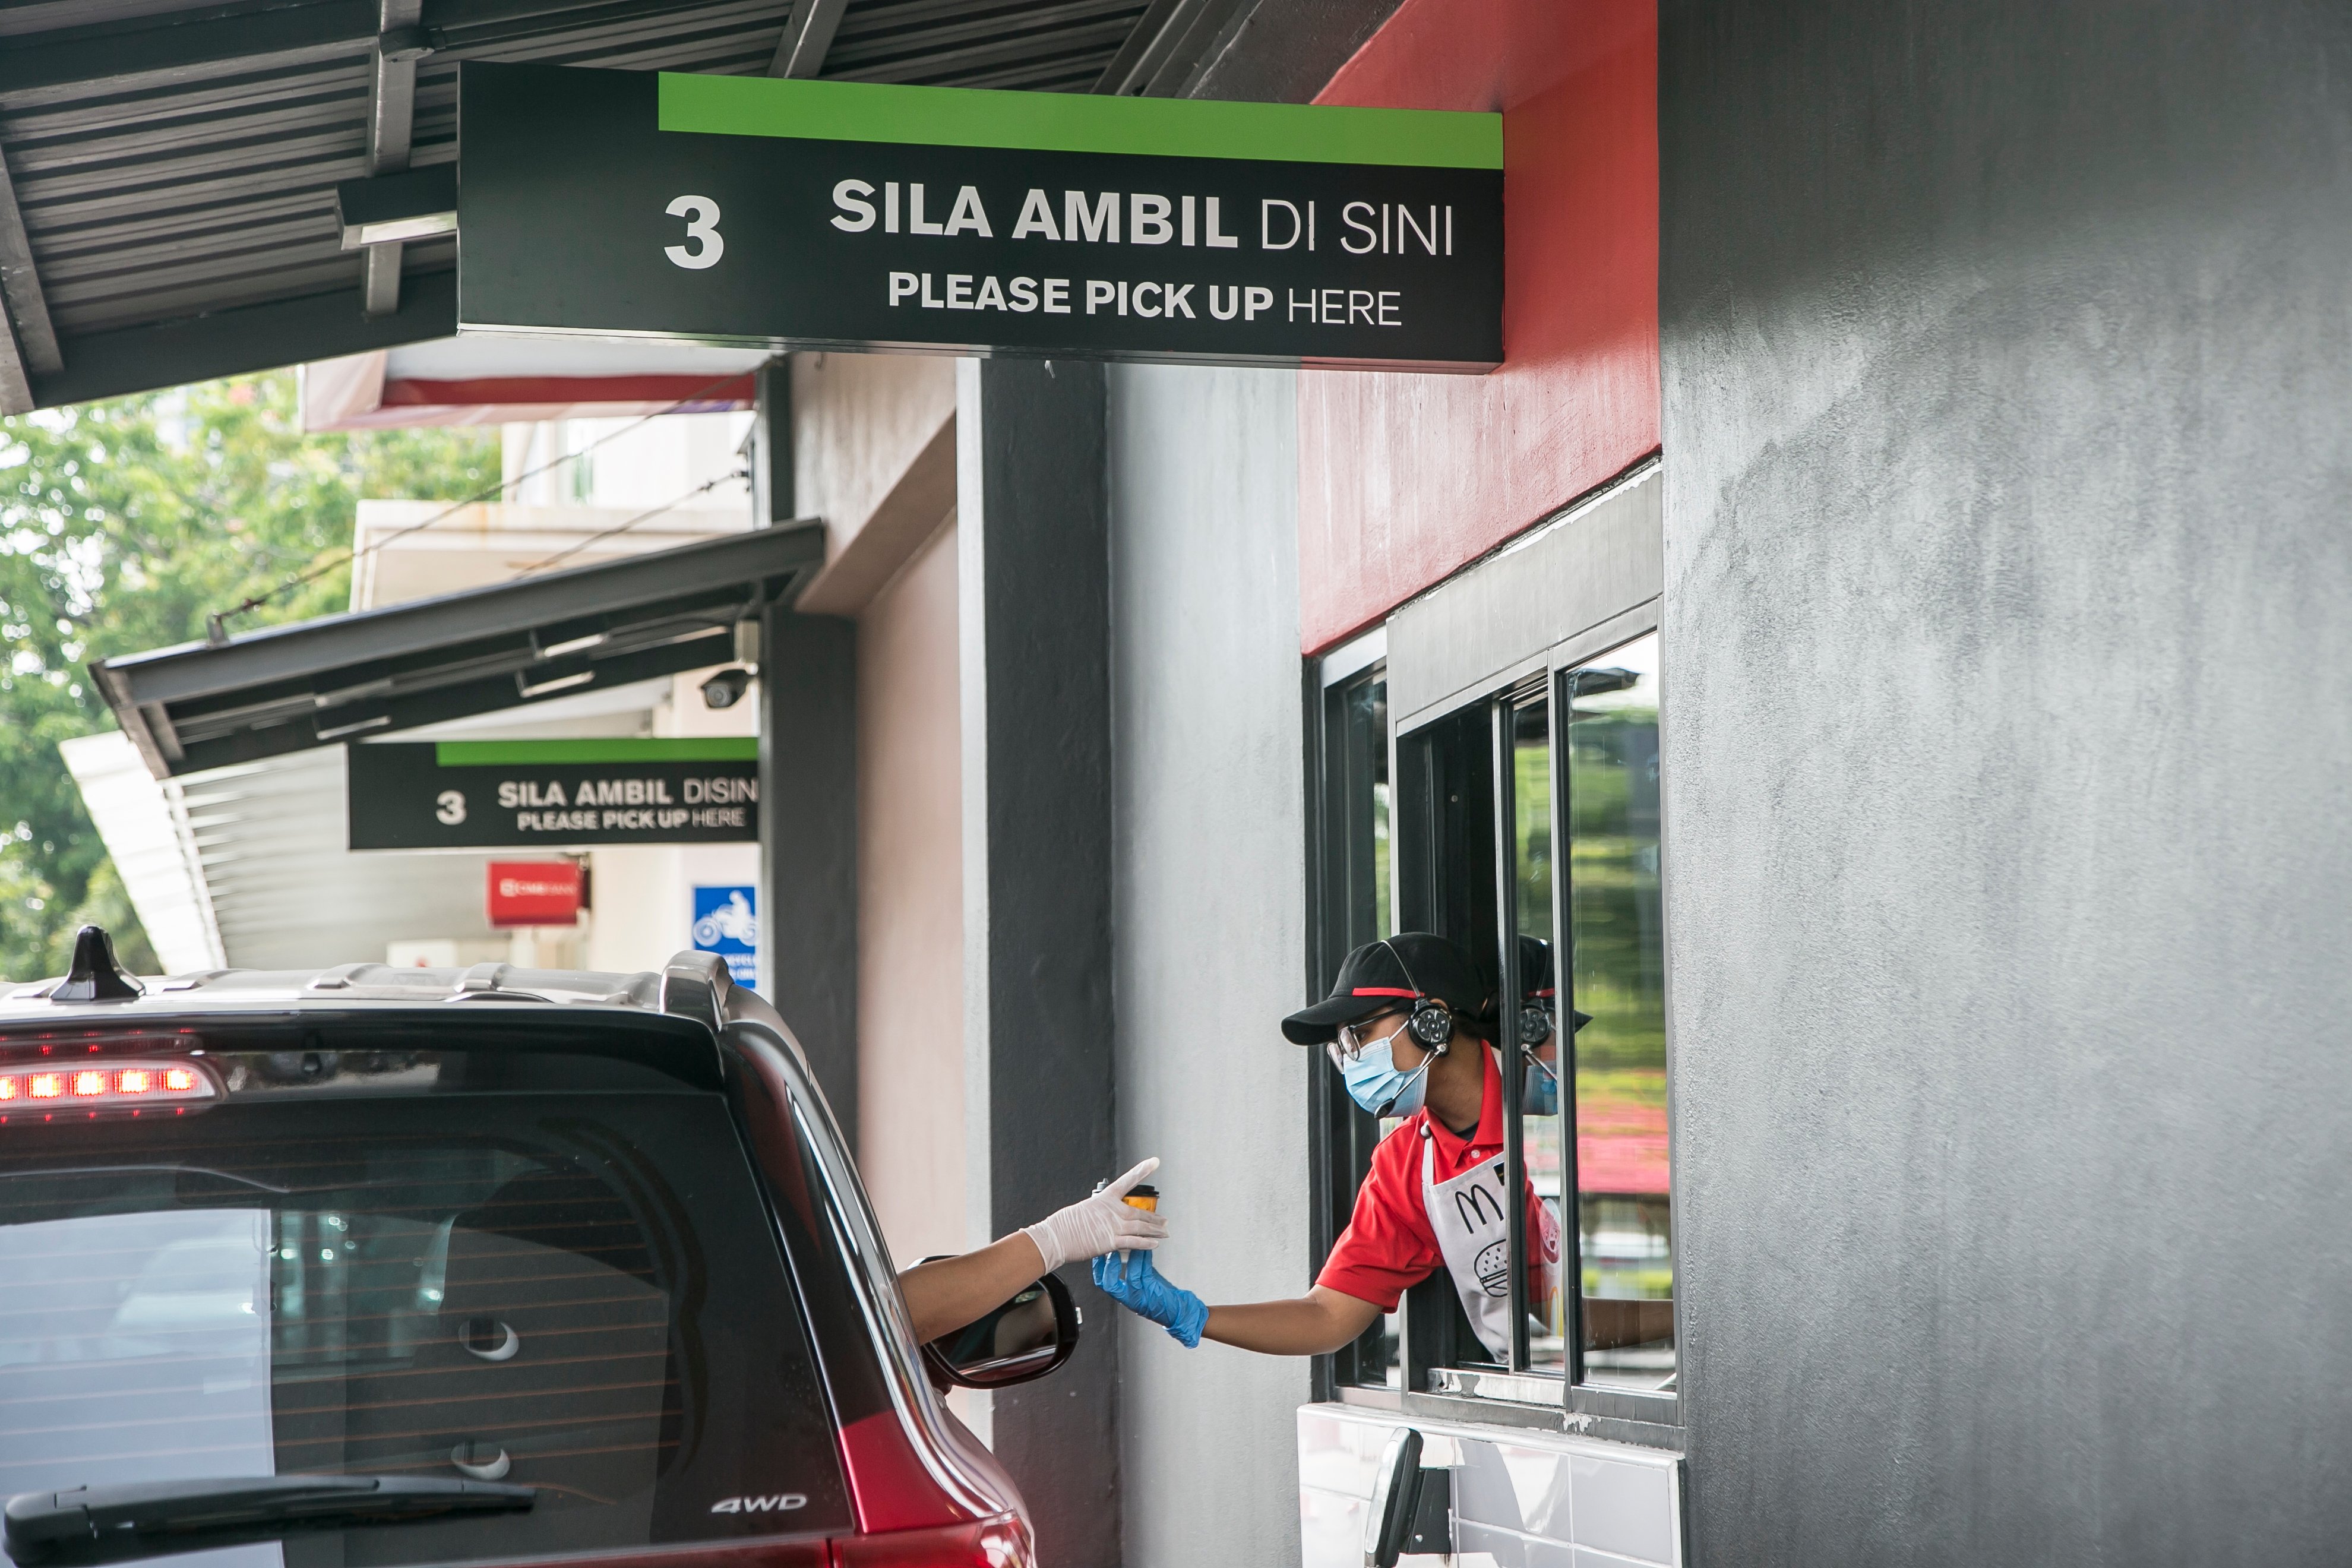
(1625, 1241)
(1367, 726)
(89, 1307)
(1539, 1098)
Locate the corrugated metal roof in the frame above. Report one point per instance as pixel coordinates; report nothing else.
(174, 161)
(1054, 47)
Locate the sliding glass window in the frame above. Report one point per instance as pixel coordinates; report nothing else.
(1527, 832)
(1616, 940)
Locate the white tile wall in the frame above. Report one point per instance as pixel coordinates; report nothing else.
(1481, 1545)
(1621, 1508)
(1330, 1528)
(1521, 1498)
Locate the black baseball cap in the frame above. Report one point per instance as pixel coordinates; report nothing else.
(1392, 974)
(1536, 986)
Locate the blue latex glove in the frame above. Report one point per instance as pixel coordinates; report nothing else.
(1137, 1285)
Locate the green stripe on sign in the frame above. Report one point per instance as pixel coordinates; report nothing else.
(531, 754)
(1079, 123)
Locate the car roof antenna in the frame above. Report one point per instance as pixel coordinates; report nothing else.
(95, 976)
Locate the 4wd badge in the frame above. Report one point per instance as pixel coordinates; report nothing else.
(775, 1503)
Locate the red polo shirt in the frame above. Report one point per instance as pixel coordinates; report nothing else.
(1388, 1243)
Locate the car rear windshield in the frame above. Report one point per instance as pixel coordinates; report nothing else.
(364, 1265)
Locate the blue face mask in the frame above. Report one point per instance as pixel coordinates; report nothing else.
(1375, 1083)
(1542, 1095)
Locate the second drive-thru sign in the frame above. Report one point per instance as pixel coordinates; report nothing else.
(852, 216)
(553, 794)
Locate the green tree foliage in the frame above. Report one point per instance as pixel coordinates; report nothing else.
(1613, 909)
(122, 525)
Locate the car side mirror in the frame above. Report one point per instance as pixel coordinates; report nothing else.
(1029, 1336)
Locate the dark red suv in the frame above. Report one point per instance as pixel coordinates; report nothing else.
(391, 1266)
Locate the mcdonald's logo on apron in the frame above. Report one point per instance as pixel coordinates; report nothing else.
(1469, 1216)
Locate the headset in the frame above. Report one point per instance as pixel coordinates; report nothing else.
(1432, 1021)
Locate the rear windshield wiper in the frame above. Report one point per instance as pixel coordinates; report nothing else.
(111, 1524)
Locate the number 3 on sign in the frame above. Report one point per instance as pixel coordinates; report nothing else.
(701, 215)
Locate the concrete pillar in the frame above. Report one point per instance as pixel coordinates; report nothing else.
(808, 843)
(768, 450)
(808, 793)
(1035, 613)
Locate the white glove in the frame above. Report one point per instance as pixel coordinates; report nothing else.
(1099, 1225)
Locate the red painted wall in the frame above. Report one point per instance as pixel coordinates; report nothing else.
(1402, 478)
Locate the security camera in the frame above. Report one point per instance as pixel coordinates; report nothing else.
(726, 689)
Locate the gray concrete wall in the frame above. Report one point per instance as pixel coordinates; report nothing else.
(2008, 353)
(1210, 934)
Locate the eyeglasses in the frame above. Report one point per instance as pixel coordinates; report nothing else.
(1351, 1043)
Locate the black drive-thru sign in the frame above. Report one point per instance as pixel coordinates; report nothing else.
(854, 216)
(553, 794)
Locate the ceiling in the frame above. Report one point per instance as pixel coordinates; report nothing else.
(167, 208)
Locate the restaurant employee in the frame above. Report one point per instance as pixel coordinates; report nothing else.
(1401, 1026)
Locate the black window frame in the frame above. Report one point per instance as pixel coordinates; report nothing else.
(1340, 1135)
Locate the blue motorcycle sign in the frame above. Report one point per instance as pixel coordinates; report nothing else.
(727, 923)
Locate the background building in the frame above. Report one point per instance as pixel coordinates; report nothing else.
(248, 865)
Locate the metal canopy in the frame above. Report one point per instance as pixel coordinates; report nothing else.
(343, 678)
(168, 168)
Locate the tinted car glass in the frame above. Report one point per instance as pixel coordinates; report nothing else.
(378, 1265)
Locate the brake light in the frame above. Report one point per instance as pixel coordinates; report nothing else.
(1003, 1542)
(115, 1087)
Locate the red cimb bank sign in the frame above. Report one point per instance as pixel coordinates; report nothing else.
(852, 216)
(533, 893)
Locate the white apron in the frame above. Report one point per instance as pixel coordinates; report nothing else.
(1469, 1215)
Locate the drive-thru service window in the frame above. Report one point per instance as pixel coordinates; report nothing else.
(1525, 827)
